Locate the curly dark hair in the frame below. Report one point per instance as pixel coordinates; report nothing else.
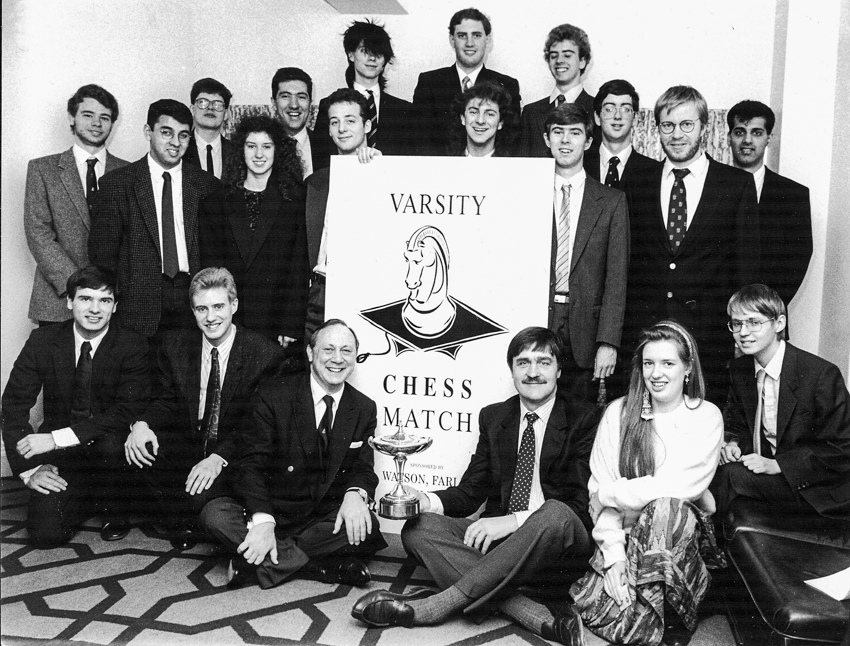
(287, 168)
(510, 119)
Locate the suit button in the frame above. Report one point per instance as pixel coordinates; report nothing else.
(290, 468)
(669, 294)
(672, 265)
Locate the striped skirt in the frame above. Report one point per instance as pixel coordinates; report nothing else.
(669, 551)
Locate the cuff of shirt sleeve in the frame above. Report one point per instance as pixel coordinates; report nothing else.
(613, 554)
(223, 461)
(64, 438)
(521, 517)
(436, 503)
(259, 517)
(26, 475)
(362, 492)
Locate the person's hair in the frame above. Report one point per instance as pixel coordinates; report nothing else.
(212, 278)
(676, 96)
(91, 277)
(469, 14)
(286, 169)
(760, 298)
(538, 339)
(210, 86)
(637, 450)
(169, 108)
(573, 33)
(375, 40)
(92, 91)
(285, 74)
(485, 91)
(617, 87)
(747, 111)
(568, 114)
(315, 336)
(348, 95)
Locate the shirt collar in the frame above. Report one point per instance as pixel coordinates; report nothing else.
(698, 167)
(473, 75)
(490, 154)
(375, 89)
(95, 342)
(318, 392)
(201, 143)
(543, 412)
(758, 176)
(605, 155)
(576, 182)
(301, 137)
(156, 170)
(774, 366)
(225, 346)
(81, 156)
(570, 95)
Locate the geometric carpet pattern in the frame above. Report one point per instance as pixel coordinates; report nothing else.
(141, 591)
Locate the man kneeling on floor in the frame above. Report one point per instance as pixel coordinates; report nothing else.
(306, 478)
(531, 468)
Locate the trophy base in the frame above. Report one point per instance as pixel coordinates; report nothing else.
(398, 509)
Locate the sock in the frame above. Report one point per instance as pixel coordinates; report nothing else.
(528, 613)
(436, 609)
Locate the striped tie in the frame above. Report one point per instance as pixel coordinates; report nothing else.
(562, 262)
(373, 119)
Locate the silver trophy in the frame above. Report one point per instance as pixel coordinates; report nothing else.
(399, 504)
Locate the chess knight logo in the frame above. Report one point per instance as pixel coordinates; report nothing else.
(429, 319)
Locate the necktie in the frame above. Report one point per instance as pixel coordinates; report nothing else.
(768, 413)
(81, 398)
(677, 213)
(521, 490)
(212, 407)
(560, 100)
(91, 179)
(325, 427)
(210, 165)
(465, 83)
(373, 118)
(612, 178)
(170, 266)
(562, 261)
(757, 422)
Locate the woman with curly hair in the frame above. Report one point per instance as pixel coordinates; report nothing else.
(484, 122)
(255, 227)
(655, 453)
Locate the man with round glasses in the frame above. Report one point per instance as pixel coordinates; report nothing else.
(695, 235)
(208, 148)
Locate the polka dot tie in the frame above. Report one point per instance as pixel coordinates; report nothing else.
(521, 491)
(613, 176)
(677, 213)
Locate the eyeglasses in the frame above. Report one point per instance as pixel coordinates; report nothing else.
(216, 105)
(752, 325)
(609, 110)
(667, 127)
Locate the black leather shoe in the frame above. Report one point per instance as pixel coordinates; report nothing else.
(184, 539)
(346, 570)
(240, 573)
(114, 529)
(676, 636)
(565, 629)
(383, 608)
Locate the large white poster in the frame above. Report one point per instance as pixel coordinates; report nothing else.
(436, 263)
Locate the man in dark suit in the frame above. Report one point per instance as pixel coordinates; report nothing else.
(530, 470)
(615, 162)
(369, 50)
(590, 259)
(56, 203)
(203, 385)
(207, 148)
(785, 215)
(787, 418)
(469, 36)
(292, 92)
(306, 477)
(567, 53)
(695, 236)
(96, 381)
(145, 225)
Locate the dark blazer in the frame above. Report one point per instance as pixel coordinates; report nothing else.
(720, 254)
(395, 131)
(432, 102)
(280, 473)
(812, 426)
(564, 460)
(56, 223)
(173, 413)
(270, 265)
(635, 166)
(125, 237)
(120, 387)
(599, 265)
(229, 158)
(534, 116)
(785, 218)
(318, 185)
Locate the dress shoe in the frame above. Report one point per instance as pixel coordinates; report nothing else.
(114, 529)
(345, 570)
(676, 636)
(383, 608)
(184, 539)
(564, 628)
(240, 573)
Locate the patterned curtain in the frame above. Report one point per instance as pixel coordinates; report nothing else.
(237, 112)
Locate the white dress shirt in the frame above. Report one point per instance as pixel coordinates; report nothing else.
(605, 156)
(774, 370)
(206, 365)
(177, 204)
(694, 183)
(576, 183)
(473, 75)
(202, 144)
(376, 92)
(570, 95)
(758, 177)
(81, 158)
(305, 152)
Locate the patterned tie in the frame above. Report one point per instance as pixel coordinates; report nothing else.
(562, 261)
(210, 165)
(521, 490)
(91, 179)
(212, 407)
(325, 427)
(677, 213)
(612, 178)
(170, 266)
(373, 118)
(560, 100)
(81, 397)
(465, 83)
(758, 420)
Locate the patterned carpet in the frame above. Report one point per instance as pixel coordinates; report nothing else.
(142, 592)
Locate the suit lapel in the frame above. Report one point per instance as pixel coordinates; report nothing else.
(705, 209)
(71, 181)
(745, 376)
(237, 217)
(101, 359)
(553, 438)
(64, 365)
(342, 432)
(192, 370)
(657, 223)
(305, 427)
(589, 214)
(507, 443)
(269, 213)
(190, 216)
(147, 201)
(787, 386)
(233, 377)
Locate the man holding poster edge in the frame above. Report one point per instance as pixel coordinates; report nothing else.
(531, 470)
